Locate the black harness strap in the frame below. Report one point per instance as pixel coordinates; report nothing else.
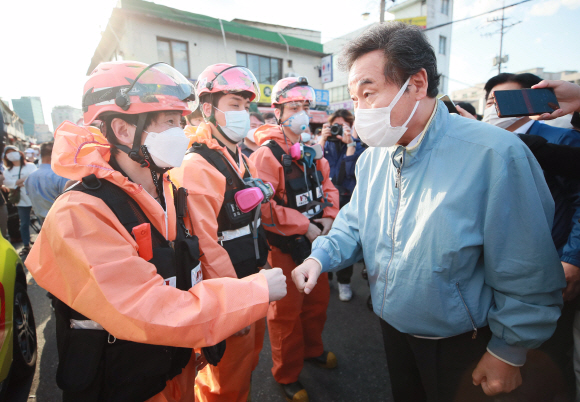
(276, 150)
(119, 202)
(215, 159)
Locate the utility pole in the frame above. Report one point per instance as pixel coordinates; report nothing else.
(382, 15)
(501, 41)
(501, 59)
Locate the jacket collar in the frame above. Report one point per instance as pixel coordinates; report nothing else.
(435, 129)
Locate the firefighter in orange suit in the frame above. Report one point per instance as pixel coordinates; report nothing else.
(220, 179)
(130, 302)
(304, 207)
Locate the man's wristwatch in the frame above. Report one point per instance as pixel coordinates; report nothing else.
(351, 144)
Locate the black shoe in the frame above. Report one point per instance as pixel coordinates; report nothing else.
(24, 251)
(295, 392)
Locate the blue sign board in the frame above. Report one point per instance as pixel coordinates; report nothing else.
(322, 97)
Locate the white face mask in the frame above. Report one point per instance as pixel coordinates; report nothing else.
(237, 125)
(305, 137)
(373, 126)
(250, 135)
(13, 156)
(168, 147)
(490, 116)
(297, 123)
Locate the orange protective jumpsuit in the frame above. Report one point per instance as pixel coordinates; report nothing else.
(87, 259)
(295, 323)
(230, 379)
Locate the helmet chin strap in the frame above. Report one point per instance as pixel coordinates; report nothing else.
(146, 161)
(134, 151)
(143, 158)
(211, 119)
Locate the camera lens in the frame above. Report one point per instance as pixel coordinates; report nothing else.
(336, 129)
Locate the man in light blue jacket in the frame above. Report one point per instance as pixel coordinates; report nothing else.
(453, 219)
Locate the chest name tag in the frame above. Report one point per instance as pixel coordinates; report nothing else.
(171, 282)
(196, 275)
(303, 199)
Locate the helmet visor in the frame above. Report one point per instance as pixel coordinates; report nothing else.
(298, 93)
(231, 80)
(161, 83)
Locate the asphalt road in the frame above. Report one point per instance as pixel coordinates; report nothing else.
(42, 387)
(352, 332)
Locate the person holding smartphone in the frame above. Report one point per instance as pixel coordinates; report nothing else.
(566, 194)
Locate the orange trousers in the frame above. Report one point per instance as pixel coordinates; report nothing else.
(295, 323)
(180, 388)
(230, 380)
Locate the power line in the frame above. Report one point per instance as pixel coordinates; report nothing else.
(475, 16)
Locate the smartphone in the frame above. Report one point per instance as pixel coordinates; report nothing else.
(449, 103)
(525, 102)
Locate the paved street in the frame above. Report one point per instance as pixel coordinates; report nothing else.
(352, 332)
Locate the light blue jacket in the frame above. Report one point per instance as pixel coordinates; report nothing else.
(455, 233)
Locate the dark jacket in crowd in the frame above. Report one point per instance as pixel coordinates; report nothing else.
(566, 194)
(561, 160)
(342, 167)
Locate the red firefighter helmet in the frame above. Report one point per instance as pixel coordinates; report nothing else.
(131, 87)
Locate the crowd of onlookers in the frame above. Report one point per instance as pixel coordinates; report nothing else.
(29, 188)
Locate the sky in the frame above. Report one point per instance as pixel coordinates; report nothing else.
(47, 45)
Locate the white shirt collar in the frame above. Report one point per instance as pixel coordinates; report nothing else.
(524, 129)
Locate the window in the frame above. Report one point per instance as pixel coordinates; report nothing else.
(442, 44)
(174, 53)
(445, 7)
(267, 70)
(339, 94)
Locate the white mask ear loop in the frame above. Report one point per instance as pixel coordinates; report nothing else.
(412, 113)
(401, 92)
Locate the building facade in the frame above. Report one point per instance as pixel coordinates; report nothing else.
(42, 133)
(424, 13)
(12, 125)
(148, 32)
(62, 113)
(29, 108)
(474, 95)
(339, 96)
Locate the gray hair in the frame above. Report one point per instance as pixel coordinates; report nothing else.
(406, 50)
